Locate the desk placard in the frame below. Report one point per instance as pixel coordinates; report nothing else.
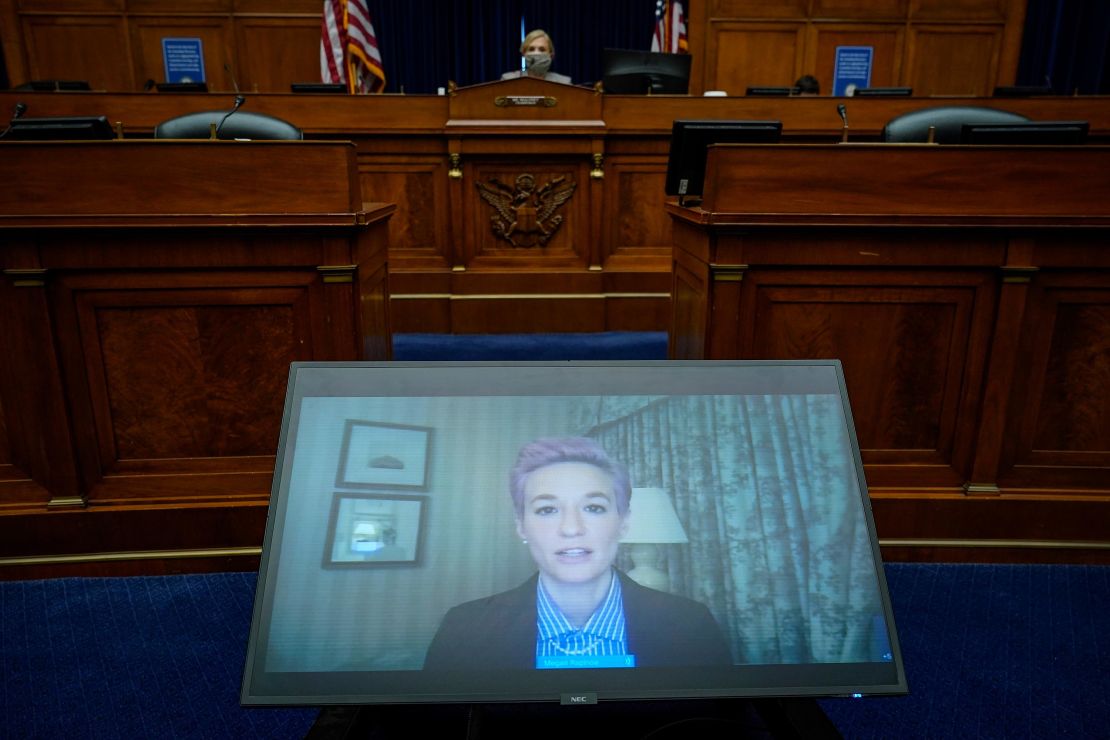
(852, 69)
(183, 59)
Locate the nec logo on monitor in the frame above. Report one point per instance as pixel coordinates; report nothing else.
(584, 698)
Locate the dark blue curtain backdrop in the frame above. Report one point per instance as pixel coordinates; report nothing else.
(425, 43)
(1066, 44)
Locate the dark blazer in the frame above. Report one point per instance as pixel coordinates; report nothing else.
(499, 631)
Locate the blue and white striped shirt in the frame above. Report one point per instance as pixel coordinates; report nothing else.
(603, 634)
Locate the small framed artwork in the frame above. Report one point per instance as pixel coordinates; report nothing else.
(371, 529)
(377, 455)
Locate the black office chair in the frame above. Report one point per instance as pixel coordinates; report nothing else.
(948, 121)
(239, 125)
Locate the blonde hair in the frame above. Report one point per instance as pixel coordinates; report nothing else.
(532, 36)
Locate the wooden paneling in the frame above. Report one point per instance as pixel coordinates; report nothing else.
(526, 314)
(888, 41)
(959, 60)
(418, 185)
(1073, 415)
(755, 9)
(977, 183)
(153, 330)
(48, 190)
(92, 48)
(302, 7)
(174, 7)
(690, 302)
(1061, 402)
(961, 10)
(936, 47)
(911, 397)
(275, 52)
(970, 314)
(215, 36)
(71, 6)
(636, 221)
(218, 391)
(746, 54)
(116, 45)
(870, 9)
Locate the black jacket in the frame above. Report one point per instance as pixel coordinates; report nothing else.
(499, 631)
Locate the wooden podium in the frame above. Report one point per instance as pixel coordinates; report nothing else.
(527, 205)
(966, 291)
(153, 295)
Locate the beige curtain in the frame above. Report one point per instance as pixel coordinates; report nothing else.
(765, 487)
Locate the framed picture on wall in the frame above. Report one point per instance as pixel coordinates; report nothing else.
(377, 455)
(371, 530)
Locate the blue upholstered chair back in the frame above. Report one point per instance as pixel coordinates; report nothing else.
(948, 120)
(240, 125)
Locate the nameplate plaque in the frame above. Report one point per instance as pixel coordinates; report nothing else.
(536, 101)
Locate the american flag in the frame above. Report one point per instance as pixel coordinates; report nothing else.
(348, 48)
(670, 28)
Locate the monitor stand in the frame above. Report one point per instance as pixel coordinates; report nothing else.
(705, 719)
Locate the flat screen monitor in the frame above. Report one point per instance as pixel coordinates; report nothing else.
(877, 92)
(1022, 91)
(329, 88)
(690, 141)
(55, 86)
(769, 91)
(628, 72)
(554, 534)
(1028, 132)
(60, 128)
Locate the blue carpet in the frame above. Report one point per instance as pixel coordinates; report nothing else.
(613, 345)
(991, 651)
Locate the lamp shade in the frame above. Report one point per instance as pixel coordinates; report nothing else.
(652, 518)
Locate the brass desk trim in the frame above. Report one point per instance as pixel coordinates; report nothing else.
(34, 277)
(115, 557)
(338, 273)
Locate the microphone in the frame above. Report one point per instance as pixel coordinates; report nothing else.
(20, 109)
(234, 84)
(148, 85)
(239, 100)
(843, 111)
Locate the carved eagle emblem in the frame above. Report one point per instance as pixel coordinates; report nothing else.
(523, 215)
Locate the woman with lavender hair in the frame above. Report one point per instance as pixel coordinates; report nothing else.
(572, 502)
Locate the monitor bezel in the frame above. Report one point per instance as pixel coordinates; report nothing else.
(625, 72)
(763, 91)
(1026, 133)
(60, 128)
(318, 88)
(883, 92)
(691, 139)
(734, 682)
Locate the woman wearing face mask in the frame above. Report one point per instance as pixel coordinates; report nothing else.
(538, 52)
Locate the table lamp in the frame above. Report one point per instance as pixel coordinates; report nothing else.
(651, 522)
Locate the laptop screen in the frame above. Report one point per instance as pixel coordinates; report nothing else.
(487, 532)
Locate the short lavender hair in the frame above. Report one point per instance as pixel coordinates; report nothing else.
(553, 450)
